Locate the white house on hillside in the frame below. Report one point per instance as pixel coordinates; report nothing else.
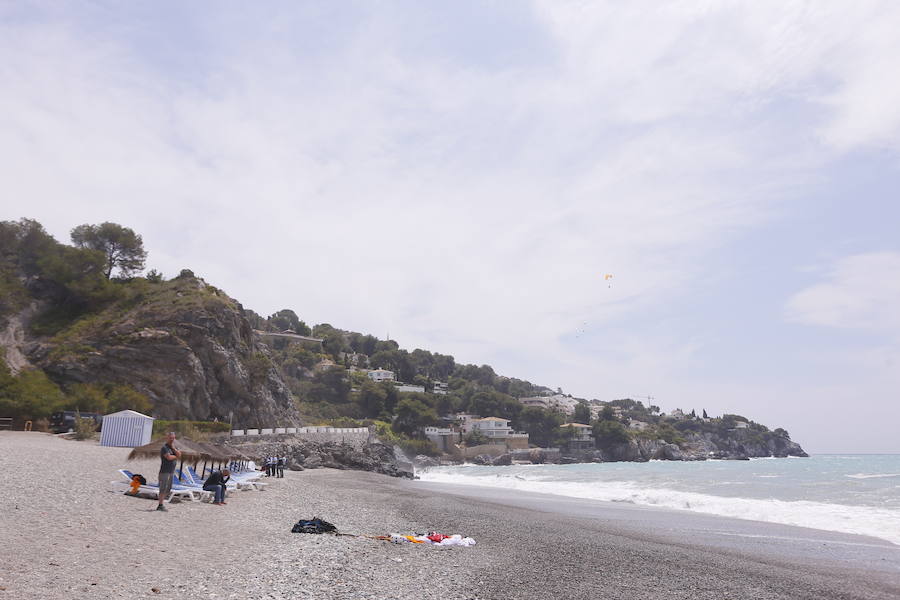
(582, 432)
(559, 402)
(380, 375)
(408, 387)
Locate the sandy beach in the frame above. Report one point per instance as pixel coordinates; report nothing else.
(63, 534)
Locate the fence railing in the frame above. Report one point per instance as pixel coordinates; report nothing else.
(6, 423)
(299, 430)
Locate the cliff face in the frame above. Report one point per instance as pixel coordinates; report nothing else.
(183, 343)
(734, 444)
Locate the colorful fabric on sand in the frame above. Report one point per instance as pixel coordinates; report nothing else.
(433, 539)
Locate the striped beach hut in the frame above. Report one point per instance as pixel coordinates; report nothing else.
(126, 428)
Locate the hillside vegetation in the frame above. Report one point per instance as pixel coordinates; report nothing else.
(79, 329)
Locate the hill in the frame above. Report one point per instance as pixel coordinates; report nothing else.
(74, 336)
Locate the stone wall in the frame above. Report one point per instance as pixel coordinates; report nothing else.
(354, 436)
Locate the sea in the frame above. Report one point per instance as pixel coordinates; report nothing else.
(850, 493)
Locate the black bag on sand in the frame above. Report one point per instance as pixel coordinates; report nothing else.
(314, 525)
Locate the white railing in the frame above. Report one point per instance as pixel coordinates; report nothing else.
(298, 430)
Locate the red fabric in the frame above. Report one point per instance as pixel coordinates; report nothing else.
(437, 537)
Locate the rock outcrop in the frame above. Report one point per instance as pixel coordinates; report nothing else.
(184, 344)
(733, 444)
(308, 454)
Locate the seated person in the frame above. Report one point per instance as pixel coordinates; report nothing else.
(216, 483)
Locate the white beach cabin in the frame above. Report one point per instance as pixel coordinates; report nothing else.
(126, 429)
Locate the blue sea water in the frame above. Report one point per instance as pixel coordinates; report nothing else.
(852, 493)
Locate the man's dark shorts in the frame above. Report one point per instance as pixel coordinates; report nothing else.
(165, 484)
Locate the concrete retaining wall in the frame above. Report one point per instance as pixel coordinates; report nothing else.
(356, 436)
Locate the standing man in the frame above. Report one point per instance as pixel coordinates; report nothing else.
(168, 456)
(280, 466)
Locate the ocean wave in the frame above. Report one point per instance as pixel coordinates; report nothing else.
(872, 475)
(882, 523)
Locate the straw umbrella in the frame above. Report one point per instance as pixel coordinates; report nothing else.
(190, 451)
(213, 453)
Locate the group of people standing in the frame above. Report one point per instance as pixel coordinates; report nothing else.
(275, 466)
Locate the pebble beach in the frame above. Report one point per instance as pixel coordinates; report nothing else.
(64, 534)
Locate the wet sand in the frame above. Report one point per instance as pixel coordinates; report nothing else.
(64, 535)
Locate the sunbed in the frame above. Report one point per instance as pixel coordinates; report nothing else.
(187, 481)
(153, 488)
(237, 481)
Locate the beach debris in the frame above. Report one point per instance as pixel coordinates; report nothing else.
(433, 539)
(314, 525)
(155, 590)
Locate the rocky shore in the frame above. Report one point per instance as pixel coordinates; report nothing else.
(304, 454)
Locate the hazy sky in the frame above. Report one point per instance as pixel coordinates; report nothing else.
(463, 174)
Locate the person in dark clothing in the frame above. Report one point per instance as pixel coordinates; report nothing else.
(281, 466)
(216, 483)
(168, 456)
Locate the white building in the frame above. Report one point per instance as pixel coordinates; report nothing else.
(126, 429)
(559, 402)
(406, 387)
(492, 427)
(582, 432)
(443, 437)
(380, 375)
(440, 387)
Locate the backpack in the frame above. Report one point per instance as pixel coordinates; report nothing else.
(314, 525)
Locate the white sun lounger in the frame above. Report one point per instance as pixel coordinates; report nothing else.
(179, 491)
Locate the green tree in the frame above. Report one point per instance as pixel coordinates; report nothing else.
(288, 319)
(123, 397)
(607, 413)
(782, 433)
(609, 433)
(122, 247)
(413, 414)
(88, 397)
(371, 399)
(30, 394)
(540, 424)
(475, 438)
(330, 385)
(582, 413)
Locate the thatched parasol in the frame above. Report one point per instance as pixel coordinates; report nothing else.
(217, 454)
(190, 451)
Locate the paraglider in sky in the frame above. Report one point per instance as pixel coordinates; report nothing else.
(608, 279)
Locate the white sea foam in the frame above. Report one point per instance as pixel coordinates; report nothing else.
(872, 475)
(882, 523)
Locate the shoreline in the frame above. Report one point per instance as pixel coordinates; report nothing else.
(823, 515)
(73, 538)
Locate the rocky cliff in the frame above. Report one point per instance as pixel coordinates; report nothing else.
(732, 444)
(308, 454)
(183, 343)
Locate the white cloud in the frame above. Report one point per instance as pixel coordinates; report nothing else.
(860, 292)
(383, 181)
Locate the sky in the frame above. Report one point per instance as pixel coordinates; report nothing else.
(461, 176)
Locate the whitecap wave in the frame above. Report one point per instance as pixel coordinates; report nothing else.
(882, 523)
(872, 475)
